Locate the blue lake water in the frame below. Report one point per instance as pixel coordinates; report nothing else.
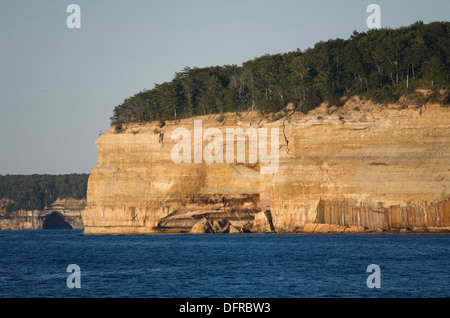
(34, 264)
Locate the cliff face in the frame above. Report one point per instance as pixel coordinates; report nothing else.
(361, 167)
(62, 214)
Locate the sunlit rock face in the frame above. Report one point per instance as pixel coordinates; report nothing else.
(361, 167)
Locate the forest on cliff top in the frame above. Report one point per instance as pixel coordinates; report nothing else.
(381, 65)
(36, 192)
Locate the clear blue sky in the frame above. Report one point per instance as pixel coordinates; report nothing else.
(58, 86)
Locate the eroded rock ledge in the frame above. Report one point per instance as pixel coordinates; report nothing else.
(359, 168)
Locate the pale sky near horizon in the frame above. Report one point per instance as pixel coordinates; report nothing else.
(59, 86)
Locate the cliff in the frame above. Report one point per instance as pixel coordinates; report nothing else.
(62, 214)
(358, 168)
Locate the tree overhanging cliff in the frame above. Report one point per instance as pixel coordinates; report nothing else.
(380, 65)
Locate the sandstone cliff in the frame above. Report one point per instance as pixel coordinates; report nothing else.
(62, 214)
(362, 167)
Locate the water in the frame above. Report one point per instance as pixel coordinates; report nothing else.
(34, 264)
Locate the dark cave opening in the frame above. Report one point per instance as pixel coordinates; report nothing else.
(55, 221)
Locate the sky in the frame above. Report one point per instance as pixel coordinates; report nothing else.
(59, 85)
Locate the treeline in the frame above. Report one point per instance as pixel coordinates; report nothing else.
(35, 192)
(381, 65)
